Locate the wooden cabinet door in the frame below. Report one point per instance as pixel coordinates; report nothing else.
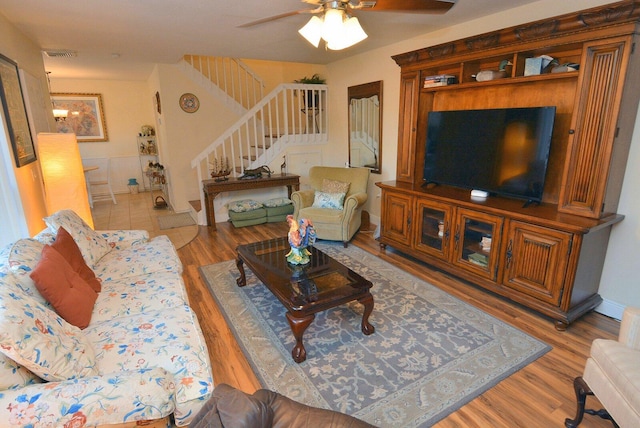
(409, 91)
(593, 127)
(396, 217)
(476, 242)
(433, 221)
(536, 261)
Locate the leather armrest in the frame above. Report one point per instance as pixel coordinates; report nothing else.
(288, 413)
(232, 408)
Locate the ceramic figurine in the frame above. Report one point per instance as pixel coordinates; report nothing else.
(301, 235)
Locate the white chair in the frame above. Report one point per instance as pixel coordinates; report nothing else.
(612, 374)
(99, 179)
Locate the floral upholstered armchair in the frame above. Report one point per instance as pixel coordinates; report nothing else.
(334, 202)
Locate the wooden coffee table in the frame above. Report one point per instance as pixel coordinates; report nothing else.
(321, 284)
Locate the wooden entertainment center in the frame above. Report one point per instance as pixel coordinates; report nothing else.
(548, 257)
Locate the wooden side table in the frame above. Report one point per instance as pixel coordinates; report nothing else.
(212, 188)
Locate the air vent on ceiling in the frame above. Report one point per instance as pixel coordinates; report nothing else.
(61, 53)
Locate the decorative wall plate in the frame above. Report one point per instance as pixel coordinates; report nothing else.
(189, 102)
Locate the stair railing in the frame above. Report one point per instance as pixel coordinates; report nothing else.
(231, 76)
(291, 114)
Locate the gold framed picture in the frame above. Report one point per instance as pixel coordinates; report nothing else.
(85, 116)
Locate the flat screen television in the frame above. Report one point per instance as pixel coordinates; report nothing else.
(500, 151)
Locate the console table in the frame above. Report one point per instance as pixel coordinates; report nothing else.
(212, 188)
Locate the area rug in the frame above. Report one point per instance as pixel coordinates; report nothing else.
(171, 221)
(430, 354)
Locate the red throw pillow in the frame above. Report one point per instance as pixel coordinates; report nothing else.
(67, 247)
(60, 285)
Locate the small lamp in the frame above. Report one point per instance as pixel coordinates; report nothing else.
(60, 114)
(63, 175)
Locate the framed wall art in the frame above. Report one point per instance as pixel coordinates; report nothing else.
(15, 113)
(85, 116)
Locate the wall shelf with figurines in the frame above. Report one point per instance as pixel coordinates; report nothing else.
(147, 141)
(147, 146)
(147, 151)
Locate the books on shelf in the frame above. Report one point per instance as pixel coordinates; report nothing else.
(439, 80)
(479, 259)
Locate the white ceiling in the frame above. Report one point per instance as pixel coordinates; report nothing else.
(122, 39)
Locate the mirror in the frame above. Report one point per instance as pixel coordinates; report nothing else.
(365, 126)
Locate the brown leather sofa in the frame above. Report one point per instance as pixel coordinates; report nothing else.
(232, 408)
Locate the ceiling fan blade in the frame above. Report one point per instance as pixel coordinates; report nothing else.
(415, 6)
(282, 15)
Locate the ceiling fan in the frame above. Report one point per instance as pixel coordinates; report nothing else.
(339, 29)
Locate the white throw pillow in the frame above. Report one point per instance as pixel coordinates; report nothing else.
(92, 246)
(333, 201)
(38, 339)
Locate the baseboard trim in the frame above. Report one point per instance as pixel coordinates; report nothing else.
(610, 309)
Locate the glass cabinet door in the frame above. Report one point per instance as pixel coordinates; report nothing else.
(477, 241)
(433, 220)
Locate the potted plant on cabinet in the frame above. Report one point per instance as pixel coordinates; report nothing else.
(313, 97)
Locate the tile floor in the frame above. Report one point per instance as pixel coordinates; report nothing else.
(135, 211)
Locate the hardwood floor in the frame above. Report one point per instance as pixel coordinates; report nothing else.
(540, 395)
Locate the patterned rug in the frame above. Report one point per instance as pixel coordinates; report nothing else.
(171, 221)
(430, 354)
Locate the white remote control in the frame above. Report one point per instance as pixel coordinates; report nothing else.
(479, 194)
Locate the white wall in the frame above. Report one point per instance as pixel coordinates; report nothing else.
(184, 134)
(128, 105)
(619, 284)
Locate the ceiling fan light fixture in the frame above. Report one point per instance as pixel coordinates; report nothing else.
(336, 28)
(332, 27)
(312, 31)
(352, 33)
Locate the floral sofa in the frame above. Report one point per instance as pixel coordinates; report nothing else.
(141, 355)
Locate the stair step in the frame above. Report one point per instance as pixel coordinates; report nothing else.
(252, 158)
(197, 205)
(267, 145)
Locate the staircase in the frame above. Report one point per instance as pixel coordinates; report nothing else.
(228, 79)
(291, 114)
